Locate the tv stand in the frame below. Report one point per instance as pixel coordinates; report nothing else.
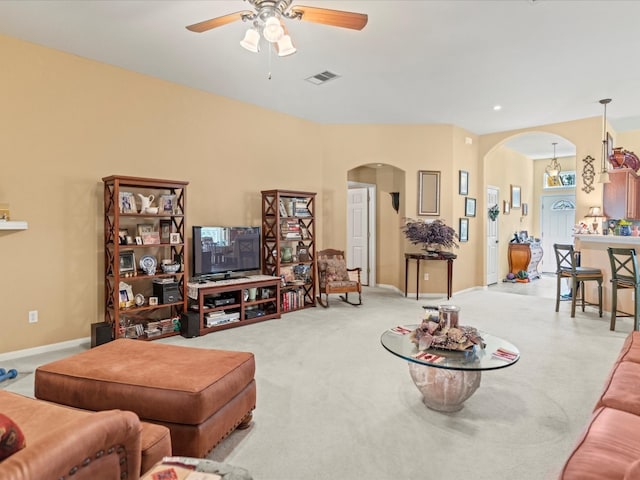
(225, 303)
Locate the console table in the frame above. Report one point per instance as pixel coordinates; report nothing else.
(418, 257)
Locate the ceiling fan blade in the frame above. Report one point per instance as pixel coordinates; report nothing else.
(217, 22)
(336, 18)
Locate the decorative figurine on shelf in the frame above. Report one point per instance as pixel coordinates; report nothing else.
(146, 203)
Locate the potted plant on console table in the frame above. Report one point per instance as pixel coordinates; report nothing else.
(433, 235)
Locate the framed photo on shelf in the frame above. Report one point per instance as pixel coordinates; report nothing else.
(167, 204)
(123, 233)
(151, 238)
(144, 228)
(127, 203)
(470, 207)
(463, 183)
(515, 196)
(428, 192)
(127, 261)
(463, 231)
(165, 230)
(506, 207)
(138, 240)
(174, 238)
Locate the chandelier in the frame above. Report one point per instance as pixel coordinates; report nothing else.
(604, 173)
(267, 20)
(553, 169)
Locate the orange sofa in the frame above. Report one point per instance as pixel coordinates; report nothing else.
(64, 442)
(609, 447)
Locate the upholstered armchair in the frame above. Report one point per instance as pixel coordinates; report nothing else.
(335, 277)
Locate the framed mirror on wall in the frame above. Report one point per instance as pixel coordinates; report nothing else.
(428, 192)
(515, 196)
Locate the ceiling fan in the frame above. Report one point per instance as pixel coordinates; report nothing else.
(267, 18)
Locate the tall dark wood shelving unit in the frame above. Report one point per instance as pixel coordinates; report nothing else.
(288, 245)
(124, 319)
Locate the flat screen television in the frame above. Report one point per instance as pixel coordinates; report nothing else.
(221, 252)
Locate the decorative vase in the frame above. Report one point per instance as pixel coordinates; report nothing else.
(625, 230)
(621, 158)
(635, 231)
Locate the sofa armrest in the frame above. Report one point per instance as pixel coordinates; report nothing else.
(101, 445)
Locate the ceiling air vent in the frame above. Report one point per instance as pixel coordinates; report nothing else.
(323, 77)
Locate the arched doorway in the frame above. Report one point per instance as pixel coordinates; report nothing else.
(519, 162)
(373, 224)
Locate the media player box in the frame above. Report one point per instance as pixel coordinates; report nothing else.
(190, 324)
(167, 292)
(100, 333)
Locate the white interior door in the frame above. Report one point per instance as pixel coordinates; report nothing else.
(493, 196)
(358, 231)
(557, 218)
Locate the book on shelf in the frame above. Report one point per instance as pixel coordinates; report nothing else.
(301, 209)
(282, 208)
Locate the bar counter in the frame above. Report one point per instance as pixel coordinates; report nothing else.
(593, 253)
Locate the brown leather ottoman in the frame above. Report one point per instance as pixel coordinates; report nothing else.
(200, 395)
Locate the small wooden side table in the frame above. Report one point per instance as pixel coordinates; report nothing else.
(418, 257)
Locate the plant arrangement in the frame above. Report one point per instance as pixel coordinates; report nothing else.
(494, 212)
(430, 234)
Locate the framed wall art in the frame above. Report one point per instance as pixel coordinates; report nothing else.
(515, 196)
(428, 192)
(463, 183)
(525, 209)
(463, 231)
(470, 207)
(506, 207)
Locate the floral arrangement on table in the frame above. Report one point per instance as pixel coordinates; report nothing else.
(432, 235)
(434, 332)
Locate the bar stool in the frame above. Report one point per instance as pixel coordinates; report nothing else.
(568, 267)
(624, 274)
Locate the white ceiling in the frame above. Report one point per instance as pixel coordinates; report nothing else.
(416, 62)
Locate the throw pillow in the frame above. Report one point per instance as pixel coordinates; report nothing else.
(336, 270)
(11, 437)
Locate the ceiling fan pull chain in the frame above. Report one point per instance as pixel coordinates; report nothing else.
(269, 75)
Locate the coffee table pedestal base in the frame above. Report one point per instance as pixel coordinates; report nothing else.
(444, 390)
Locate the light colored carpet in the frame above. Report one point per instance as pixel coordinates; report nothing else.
(332, 403)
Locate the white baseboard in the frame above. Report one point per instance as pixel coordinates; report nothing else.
(27, 352)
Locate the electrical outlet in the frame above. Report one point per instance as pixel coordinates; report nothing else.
(426, 276)
(33, 316)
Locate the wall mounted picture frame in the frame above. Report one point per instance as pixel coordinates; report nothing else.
(429, 192)
(525, 209)
(506, 207)
(463, 230)
(470, 207)
(463, 182)
(516, 196)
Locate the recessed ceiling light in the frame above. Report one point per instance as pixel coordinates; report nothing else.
(497, 107)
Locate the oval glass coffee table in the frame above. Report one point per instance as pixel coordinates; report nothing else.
(447, 378)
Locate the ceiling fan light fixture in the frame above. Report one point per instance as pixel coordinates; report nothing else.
(251, 40)
(272, 30)
(285, 46)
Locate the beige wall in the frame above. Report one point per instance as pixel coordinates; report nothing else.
(67, 122)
